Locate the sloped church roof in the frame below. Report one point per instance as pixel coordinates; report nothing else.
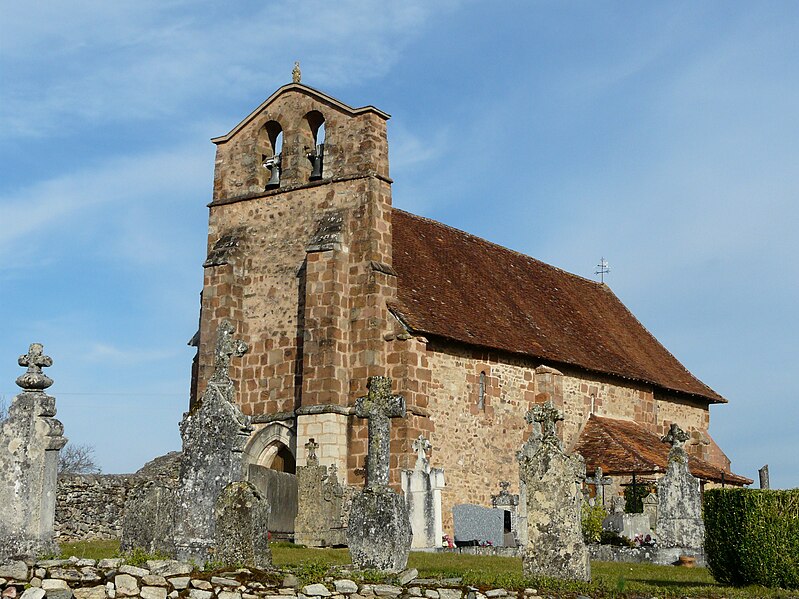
(457, 286)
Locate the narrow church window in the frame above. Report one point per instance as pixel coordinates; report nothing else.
(481, 396)
(316, 122)
(271, 152)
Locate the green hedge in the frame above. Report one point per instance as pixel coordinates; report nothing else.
(752, 536)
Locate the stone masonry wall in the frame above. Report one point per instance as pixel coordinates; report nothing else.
(90, 506)
(162, 579)
(476, 446)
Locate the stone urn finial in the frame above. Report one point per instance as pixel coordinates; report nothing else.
(34, 380)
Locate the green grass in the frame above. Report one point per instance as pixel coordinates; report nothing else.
(91, 549)
(610, 579)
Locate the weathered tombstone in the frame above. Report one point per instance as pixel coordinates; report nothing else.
(379, 530)
(148, 522)
(651, 509)
(422, 487)
(599, 482)
(214, 434)
(478, 525)
(553, 480)
(679, 519)
(30, 439)
(627, 525)
(242, 522)
(509, 504)
(617, 505)
(320, 504)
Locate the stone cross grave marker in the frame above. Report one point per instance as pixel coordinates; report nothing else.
(422, 487)
(379, 530)
(421, 446)
(311, 446)
(214, 436)
(552, 480)
(379, 406)
(676, 437)
(226, 348)
(679, 515)
(599, 482)
(544, 418)
(34, 379)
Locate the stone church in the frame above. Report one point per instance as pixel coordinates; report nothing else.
(329, 284)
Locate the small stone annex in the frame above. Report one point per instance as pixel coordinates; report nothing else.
(329, 285)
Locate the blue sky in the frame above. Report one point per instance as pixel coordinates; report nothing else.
(661, 136)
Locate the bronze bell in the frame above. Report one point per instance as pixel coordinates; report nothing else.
(273, 164)
(316, 160)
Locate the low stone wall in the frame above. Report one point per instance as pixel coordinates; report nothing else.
(90, 506)
(113, 579)
(644, 555)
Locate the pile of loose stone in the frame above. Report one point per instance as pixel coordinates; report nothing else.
(161, 579)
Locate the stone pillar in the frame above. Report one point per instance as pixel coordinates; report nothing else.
(763, 472)
(422, 488)
(553, 480)
(379, 530)
(679, 519)
(30, 439)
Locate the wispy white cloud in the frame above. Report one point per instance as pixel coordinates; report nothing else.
(106, 62)
(50, 209)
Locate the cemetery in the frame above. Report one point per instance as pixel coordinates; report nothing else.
(205, 533)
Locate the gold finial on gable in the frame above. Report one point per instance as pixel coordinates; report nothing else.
(296, 75)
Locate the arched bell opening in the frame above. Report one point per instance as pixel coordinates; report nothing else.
(316, 124)
(270, 148)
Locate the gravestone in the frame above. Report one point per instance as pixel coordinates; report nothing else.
(242, 523)
(651, 509)
(422, 487)
(679, 518)
(379, 529)
(509, 503)
(617, 505)
(553, 481)
(478, 525)
(321, 500)
(30, 439)
(148, 521)
(280, 491)
(214, 435)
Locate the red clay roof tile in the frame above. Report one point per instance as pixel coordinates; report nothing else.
(454, 285)
(624, 447)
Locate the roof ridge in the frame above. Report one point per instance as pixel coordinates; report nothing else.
(501, 247)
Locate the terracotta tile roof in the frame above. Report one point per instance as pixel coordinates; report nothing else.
(458, 286)
(624, 447)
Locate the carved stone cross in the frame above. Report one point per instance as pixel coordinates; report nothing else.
(544, 417)
(421, 446)
(34, 379)
(379, 406)
(600, 482)
(226, 347)
(311, 446)
(676, 437)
